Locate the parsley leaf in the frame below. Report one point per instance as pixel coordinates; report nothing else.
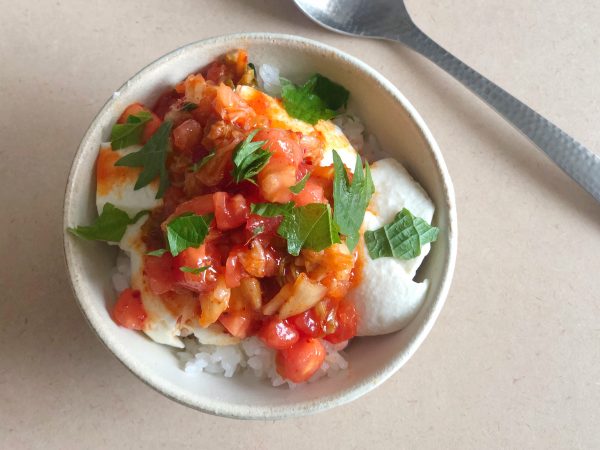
(194, 270)
(351, 199)
(129, 133)
(403, 238)
(159, 252)
(249, 158)
(188, 106)
(152, 157)
(310, 226)
(109, 226)
(187, 230)
(297, 188)
(316, 99)
(198, 165)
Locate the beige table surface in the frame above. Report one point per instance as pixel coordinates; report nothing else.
(514, 361)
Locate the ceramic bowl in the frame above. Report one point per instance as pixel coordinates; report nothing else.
(400, 131)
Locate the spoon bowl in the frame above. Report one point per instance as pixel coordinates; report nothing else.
(389, 19)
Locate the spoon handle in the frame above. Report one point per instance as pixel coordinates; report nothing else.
(573, 158)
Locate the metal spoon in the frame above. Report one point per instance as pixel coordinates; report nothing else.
(389, 19)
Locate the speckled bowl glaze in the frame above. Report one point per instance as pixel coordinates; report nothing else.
(401, 132)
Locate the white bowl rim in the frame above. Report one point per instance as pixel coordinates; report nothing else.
(225, 409)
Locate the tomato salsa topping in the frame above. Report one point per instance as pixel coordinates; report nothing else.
(250, 224)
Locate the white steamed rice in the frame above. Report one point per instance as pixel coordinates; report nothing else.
(252, 355)
(249, 356)
(268, 80)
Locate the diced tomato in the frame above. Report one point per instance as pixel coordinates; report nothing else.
(129, 311)
(200, 205)
(158, 274)
(265, 226)
(275, 181)
(149, 128)
(230, 212)
(302, 171)
(216, 72)
(194, 258)
(250, 191)
(239, 323)
(308, 324)
(233, 109)
(280, 172)
(187, 135)
(165, 102)
(300, 361)
(312, 193)
(234, 270)
(347, 322)
(278, 334)
(281, 143)
(318, 321)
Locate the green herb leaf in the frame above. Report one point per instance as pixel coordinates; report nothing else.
(187, 230)
(403, 238)
(159, 252)
(310, 226)
(109, 226)
(317, 99)
(198, 165)
(129, 133)
(351, 199)
(152, 158)
(194, 270)
(297, 188)
(188, 106)
(272, 209)
(334, 95)
(249, 158)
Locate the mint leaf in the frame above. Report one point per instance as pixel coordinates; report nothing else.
(194, 270)
(297, 188)
(187, 230)
(317, 99)
(272, 209)
(310, 226)
(249, 158)
(198, 165)
(188, 106)
(109, 226)
(159, 252)
(351, 199)
(129, 133)
(403, 238)
(152, 158)
(334, 95)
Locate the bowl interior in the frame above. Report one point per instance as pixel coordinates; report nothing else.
(401, 133)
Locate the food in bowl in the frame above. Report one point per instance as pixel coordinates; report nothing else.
(252, 233)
